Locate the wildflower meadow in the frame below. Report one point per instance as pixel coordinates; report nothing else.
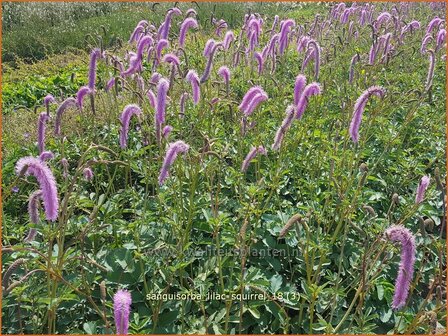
(225, 168)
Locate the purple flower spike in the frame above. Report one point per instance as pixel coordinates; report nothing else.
(160, 46)
(251, 155)
(48, 99)
(82, 92)
(43, 118)
(166, 131)
(171, 58)
(188, 23)
(420, 195)
(286, 124)
(298, 88)
(122, 310)
(162, 91)
(34, 166)
(152, 98)
(355, 59)
(258, 98)
(193, 78)
(88, 174)
(46, 155)
(125, 118)
(260, 62)
(398, 233)
(33, 206)
(311, 89)
(228, 39)
(248, 97)
(174, 149)
(208, 47)
(359, 109)
(69, 102)
(110, 83)
(94, 55)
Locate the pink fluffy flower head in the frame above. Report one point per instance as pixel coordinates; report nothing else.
(299, 85)
(129, 111)
(398, 233)
(33, 206)
(251, 155)
(94, 55)
(48, 99)
(60, 111)
(311, 89)
(122, 310)
(421, 189)
(286, 124)
(82, 92)
(188, 23)
(162, 91)
(47, 183)
(88, 174)
(254, 95)
(359, 109)
(174, 149)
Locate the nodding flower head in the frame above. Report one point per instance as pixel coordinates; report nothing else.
(166, 131)
(82, 92)
(152, 98)
(249, 97)
(251, 155)
(122, 310)
(33, 206)
(190, 12)
(359, 109)
(311, 89)
(260, 61)
(46, 156)
(425, 41)
(314, 46)
(224, 72)
(88, 174)
(39, 169)
(298, 88)
(160, 46)
(228, 39)
(398, 233)
(209, 65)
(165, 27)
(145, 42)
(441, 36)
(171, 58)
(162, 91)
(432, 24)
(69, 102)
(432, 62)
(48, 99)
(208, 47)
(94, 55)
(174, 149)
(423, 185)
(193, 78)
(136, 33)
(286, 124)
(355, 59)
(188, 23)
(125, 118)
(110, 83)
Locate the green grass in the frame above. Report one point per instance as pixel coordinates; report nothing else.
(332, 273)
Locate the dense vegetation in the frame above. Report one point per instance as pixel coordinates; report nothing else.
(308, 223)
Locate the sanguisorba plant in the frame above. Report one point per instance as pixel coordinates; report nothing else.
(207, 146)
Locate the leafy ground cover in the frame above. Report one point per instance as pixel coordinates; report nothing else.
(307, 224)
